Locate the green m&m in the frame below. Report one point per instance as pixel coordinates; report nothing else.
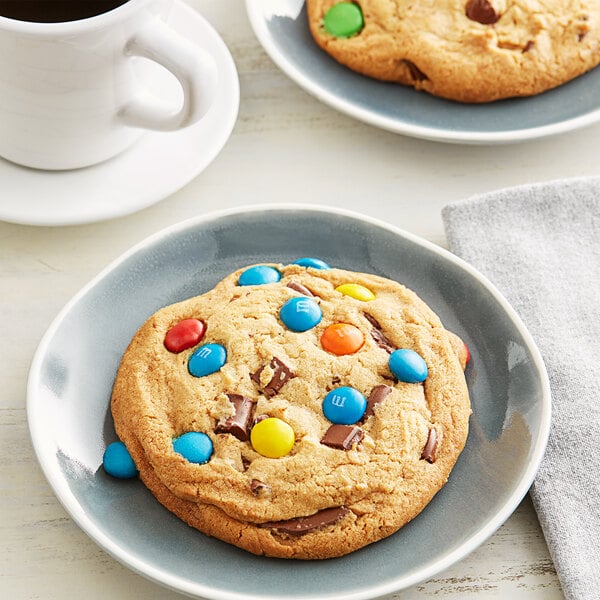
(343, 20)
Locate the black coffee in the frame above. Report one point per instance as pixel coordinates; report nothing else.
(55, 11)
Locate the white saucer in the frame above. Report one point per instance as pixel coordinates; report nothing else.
(155, 167)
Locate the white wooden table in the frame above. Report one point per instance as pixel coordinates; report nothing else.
(286, 147)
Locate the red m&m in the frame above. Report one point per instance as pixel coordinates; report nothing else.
(184, 335)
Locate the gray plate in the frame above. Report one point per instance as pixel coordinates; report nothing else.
(73, 371)
(282, 29)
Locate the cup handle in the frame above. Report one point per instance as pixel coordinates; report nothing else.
(193, 67)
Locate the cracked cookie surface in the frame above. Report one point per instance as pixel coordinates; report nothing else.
(340, 484)
(467, 50)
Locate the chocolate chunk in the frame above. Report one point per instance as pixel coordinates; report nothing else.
(256, 376)
(377, 395)
(428, 453)
(481, 11)
(281, 375)
(528, 46)
(237, 425)
(298, 287)
(260, 418)
(335, 381)
(382, 341)
(372, 320)
(259, 488)
(380, 338)
(343, 437)
(415, 72)
(303, 525)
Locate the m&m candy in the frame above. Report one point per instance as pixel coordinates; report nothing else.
(259, 275)
(342, 338)
(118, 462)
(300, 314)
(272, 437)
(207, 359)
(344, 405)
(184, 335)
(195, 446)
(408, 366)
(467, 354)
(315, 263)
(356, 291)
(344, 20)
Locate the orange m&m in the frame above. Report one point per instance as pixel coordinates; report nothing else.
(342, 338)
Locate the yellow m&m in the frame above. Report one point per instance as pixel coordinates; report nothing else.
(356, 291)
(272, 437)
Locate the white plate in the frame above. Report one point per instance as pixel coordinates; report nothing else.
(156, 166)
(74, 367)
(282, 29)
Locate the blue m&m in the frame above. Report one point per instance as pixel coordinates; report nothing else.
(259, 275)
(207, 359)
(195, 446)
(315, 263)
(300, 314)
(118, 462)
(344, 405)
(408, 366)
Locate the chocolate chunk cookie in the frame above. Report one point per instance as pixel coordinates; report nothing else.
(294, 411)
(465, 50)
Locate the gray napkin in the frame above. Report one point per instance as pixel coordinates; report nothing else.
(540, 245)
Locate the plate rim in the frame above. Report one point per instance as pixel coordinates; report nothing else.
(258, 23)
(183, 585)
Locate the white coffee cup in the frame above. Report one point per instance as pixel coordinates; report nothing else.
(70, 96)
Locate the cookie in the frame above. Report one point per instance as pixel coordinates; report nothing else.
(294, 411)
(464, 50)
